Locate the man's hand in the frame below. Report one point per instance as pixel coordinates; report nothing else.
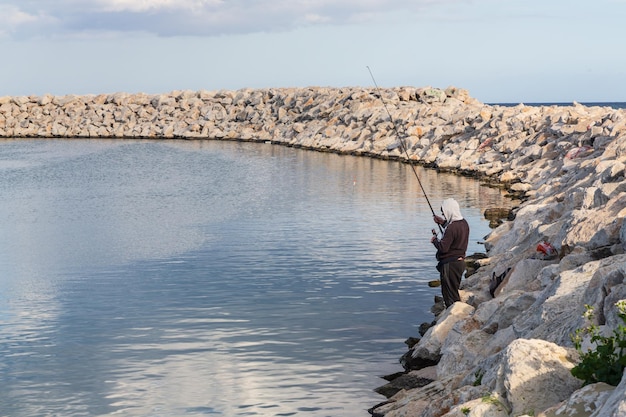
(438, 219)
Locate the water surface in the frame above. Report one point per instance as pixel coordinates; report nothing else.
(188, 278)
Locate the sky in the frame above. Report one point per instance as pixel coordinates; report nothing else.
(501, 51)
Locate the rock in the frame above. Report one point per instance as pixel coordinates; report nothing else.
(600, 229)
(523, 276)
(536, 375)
(431, 399)
(525, 232)
(429, 347)
(480, 407)
(404, 382)
(553, 317)
(411, 363)
(459, 354)
(511, 306)
(583, 402)
(472, 264)
(412, 341)
(424, 328)
(497, 213)
(605, 288)
(615, 405)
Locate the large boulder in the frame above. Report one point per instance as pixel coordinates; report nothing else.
(535, 375)
(429, 347)
(557, 311)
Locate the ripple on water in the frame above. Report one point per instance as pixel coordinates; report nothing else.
(207, 278)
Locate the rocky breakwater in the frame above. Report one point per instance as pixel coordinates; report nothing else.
(510, 354)
(446, 129)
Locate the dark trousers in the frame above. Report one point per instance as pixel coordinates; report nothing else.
(451, 274)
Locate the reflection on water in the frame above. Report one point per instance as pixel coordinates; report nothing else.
(194, 278)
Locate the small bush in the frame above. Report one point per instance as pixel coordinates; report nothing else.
(607, 362)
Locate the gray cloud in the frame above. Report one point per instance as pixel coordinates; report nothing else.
(31, 18)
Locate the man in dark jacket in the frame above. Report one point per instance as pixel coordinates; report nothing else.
(451, 249)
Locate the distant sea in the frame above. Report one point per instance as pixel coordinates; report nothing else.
(613, 104)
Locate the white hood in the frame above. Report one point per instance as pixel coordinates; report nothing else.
(451, 210)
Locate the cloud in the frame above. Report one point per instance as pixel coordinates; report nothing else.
(13, 19)
(77, 18)
(153, 5)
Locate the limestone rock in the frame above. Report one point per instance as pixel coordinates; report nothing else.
(429, 347)
(615, 405)
(480, 407)
(406, 381)
(536, 375)
(556, 313)
(524, 276)
(583, 402)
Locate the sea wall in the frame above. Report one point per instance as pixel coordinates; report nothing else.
(503, 355)
(446, 129)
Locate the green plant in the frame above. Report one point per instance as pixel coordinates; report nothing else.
(478, 377)
(607, 362)
(465, 410)
(494, 400)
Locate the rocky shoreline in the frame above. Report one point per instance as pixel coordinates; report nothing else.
(510, 354)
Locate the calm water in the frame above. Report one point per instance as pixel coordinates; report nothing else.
(144, 278)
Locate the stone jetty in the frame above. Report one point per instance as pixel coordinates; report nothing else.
(561, 250)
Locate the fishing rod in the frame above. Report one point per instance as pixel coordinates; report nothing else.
(402, 145)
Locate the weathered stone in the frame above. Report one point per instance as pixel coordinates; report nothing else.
(480, 407)
(615, 405)
(404, 382)
(556, 313)
(498, 213)
(583, 402)
(523, 276)
(411, 363)
(536, 375)
(597, 230)
(429, 347)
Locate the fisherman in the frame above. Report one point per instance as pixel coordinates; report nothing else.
(451, 249)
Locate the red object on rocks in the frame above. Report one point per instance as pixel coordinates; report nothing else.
(578, 152)
(546, 248)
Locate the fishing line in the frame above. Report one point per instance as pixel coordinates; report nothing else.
(402, 145)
